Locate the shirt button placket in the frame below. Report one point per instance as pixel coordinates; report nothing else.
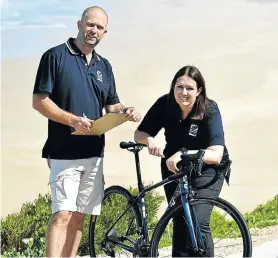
(86, 64)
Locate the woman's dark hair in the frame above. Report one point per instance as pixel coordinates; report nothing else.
(201, 104)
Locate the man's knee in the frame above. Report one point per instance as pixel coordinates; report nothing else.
(78, 217)
(77, 221)
(61, 218)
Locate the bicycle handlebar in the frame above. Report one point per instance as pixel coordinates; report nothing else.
(181, 174)
(188, 162)
(196, 159)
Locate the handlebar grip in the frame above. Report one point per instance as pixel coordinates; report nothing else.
(126, 145)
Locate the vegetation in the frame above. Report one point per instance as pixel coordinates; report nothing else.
(23, 233)
(264, 215)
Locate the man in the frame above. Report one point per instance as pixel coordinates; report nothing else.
(73, 85)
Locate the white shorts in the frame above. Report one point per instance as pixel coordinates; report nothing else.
(77, 185)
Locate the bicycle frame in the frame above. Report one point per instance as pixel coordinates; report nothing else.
(191, 219)
(182, 191)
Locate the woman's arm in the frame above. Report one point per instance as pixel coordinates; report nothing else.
(213, 155)
(141, 137)
(153, 146)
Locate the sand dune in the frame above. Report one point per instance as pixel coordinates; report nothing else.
(234, 45)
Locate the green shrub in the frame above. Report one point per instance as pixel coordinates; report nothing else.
(23, 233)
(31, 223)
(264, 215)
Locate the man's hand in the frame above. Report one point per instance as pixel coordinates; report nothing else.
(133, 115)
(172, 162)
(82, 125)
(154, 148)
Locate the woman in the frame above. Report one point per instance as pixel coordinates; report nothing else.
(193, 121)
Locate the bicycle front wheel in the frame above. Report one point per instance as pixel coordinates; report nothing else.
(119, 241)
(230, 234)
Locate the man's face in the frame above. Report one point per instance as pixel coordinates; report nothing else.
(93, 27)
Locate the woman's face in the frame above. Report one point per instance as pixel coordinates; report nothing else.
(185, 91)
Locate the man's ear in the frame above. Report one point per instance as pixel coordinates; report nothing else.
(199, 91)
(79, 24)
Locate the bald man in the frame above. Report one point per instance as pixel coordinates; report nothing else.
(73, 85)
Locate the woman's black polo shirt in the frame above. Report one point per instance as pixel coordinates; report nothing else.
(189, 133)
(78, 88)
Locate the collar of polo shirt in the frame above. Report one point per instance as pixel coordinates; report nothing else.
(76, 51)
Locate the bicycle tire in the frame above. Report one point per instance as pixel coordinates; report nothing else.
(217, 202)
(113, 190)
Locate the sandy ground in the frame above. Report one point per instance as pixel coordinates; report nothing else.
(234, 44)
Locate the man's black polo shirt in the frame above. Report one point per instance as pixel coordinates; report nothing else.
(188, 133)
(78, 88)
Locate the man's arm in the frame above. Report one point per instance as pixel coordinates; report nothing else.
(44, 105)
(131, 113)
(116, 108)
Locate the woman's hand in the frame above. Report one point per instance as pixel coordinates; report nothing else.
(154, 148)
(172, 162)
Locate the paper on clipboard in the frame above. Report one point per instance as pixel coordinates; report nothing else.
(105, 123)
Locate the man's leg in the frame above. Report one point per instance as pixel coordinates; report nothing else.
(64, 183)
(73, 235)
(56, 233)
(90, 194)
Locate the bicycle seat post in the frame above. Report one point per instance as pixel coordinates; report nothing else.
(138, 170)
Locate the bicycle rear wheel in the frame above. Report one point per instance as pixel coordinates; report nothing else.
(125, 231)
(230, 233)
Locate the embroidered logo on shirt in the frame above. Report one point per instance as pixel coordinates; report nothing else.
(99, 76)
(193, 130)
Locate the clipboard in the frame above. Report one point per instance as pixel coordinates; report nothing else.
(105, 123)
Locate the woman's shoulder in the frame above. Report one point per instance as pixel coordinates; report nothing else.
(162, 100)
(212, 108)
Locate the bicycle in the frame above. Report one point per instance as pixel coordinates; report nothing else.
(127, 233)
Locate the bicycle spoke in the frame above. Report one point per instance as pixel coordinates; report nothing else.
(227, 232)
(129, 227)
(122, 224)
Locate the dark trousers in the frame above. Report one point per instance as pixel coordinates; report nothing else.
(181, 239)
